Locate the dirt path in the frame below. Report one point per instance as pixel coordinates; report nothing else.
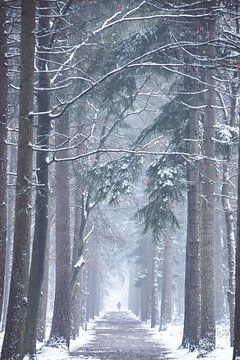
(119, 336)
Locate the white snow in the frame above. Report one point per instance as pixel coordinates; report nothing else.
(171, 340)
(50, 353)
(79, 263)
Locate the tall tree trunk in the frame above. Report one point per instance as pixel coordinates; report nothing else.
(192, 298)
(17, 307)
(3, 147)
(98, 294)
(92, 276)
(145, 288)
(42, 309)
(208, 329)
(41, 204)
(230, 247)
(76, 292)
(10, 224)
(61, 322)
(166, 302)
(45, 298)
(154, 284)
(77, 306)
(131, 288)
(145, 300)
(236, 337)
(228, 211)
(219, 270)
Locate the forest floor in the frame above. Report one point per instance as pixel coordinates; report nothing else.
(121, 336)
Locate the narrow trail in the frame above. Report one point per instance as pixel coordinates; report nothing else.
(119, 336)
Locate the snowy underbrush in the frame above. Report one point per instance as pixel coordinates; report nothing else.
(171, 339)
(59, 352)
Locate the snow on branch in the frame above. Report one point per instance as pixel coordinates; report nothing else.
(79, 264)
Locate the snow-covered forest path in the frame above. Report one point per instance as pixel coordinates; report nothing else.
(119, 336)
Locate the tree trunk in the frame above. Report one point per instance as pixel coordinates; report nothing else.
(236, 338)
(219, 269)
(42, 309)
(145, 288)
(77, 307)
(43, 306)
(76, 292)
(166, 302)
(10, 224)
(61, 323)
(208, 329)
(192, 298)
(3, 148)
(17, 307)
(145, 300)
(92, 277)
(154, 284)
(229, 219)
(41, 203)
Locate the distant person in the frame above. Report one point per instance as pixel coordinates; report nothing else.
(119, 306)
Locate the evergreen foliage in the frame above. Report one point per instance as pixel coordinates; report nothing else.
(114, 178)
(165, 186)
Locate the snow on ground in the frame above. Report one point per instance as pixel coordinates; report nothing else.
(171, 339)
(50, 353)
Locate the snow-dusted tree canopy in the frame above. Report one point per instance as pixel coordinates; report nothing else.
(119, 185)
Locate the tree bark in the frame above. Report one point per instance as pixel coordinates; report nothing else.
(17, 307)
(229, 219)
(154, 284)
(236, 338)
(76, 292)
(42, 309)
(166, 302)
(219, 269)
(41, 203)
(208, 328)
(3, 148)
(192, 297)
(230, 247)
(61, 322)
(92, 277)
(10, 224)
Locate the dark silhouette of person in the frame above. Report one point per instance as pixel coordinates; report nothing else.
(119, 306)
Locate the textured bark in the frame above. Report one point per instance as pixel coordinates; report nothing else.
(12, 344)
(77, 307)
(3, 149)
(236, 339)
(61, 327)
(145, 288)
(228, 211)
(144, 301)
(134, 295)
(41, 203)
(77, 276)
(219, 269)
(98, 295)
(230, 247)
(92, 277)
(166, 301)
(42, 309)
(192, 300)
(154, 284)
(208, 328)
(76, 292)
(79, 248)
(10, 223)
